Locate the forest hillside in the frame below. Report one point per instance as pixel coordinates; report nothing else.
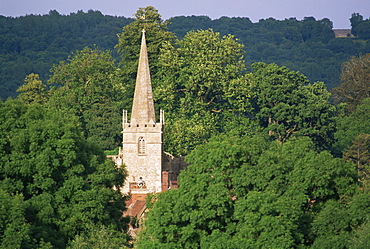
(34, 43)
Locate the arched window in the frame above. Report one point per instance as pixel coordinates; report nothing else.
(141, 145)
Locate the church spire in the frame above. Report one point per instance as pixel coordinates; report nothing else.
(143, 105)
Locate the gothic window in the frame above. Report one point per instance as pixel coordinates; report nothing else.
(141, 145)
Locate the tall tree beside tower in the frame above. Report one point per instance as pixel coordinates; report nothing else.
(198, 79)
(128, 46)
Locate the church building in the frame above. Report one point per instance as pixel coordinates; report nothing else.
(149, 169)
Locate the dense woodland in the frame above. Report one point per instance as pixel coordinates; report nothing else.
(33, 43)
(276, 160)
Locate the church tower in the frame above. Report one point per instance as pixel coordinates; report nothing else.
(142, 148)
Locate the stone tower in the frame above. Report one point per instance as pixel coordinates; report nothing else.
(142, 149)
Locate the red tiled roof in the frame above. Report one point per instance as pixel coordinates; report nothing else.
(136, 208)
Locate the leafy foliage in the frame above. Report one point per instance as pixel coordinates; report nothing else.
(352, 139)
(259, 174)
(33, 90)
(33, 43)
(90, 89)
(361, 239)
(352, 125)
(99, 238)
(199, 72)
(302, 45)
(355, 80)
(355, 20)
(58, 184)
(129, 42)
(359, 154)
(287, 106)
(359, 26)
(14, 231)
(248, 193)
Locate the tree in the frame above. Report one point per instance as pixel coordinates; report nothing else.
(355, 78)
(293, 33)
(286, 105)
(65, 184)
(14, 230)
(361, 238)
(246, 192)
(202, 209)
(203, 64)
(88, 87)
(99, 238)
(197, 78)
(289, 186)
(32, 43)
(128, 46)
(352, 125)
(181, 25)
(33, 90)
(318, 31)
(359, 154)
(355, 20)
(150, 20)
(363, 30)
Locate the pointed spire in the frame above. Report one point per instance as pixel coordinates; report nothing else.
(143, 106)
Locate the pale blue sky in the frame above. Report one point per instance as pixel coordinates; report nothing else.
(338, 11)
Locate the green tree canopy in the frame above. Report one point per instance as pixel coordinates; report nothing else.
(197, 71)
(249, 193)
(359, 154)
(352, 125)
(355, 82)
(59, 184)
(99, 237)
(355, 20)
(33, 90)
(14, 229)
(363, 30)
(129, 42)
(286, 105)
(197, 78)
(33, 43)
(88, 87)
